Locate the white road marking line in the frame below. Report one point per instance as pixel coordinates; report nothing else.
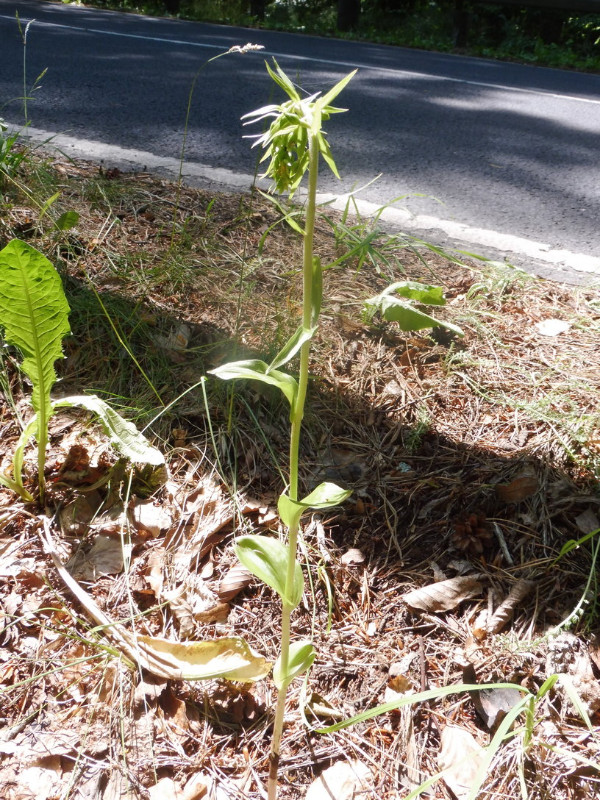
(464, 235)
(331, 62)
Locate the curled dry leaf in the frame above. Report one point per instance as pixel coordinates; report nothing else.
(443, 596)
(234, 580)
(518, 489)
(503, 614)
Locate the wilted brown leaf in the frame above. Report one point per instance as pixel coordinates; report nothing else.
(443, 596)
(234, 580)
(518, 490)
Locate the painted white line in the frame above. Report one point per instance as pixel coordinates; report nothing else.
(329, 61)
(464, 236)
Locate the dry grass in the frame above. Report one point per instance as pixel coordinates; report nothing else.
(477, 456)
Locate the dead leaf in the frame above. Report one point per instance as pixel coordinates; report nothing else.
(552, 327)
(104, 557)
(233, 582)
(150, 518)
(229, 658)
(503, 614)
(345, 780)
(353, 557)
(492, 705)
(587, 521)
(443, 596)
(322, 708)
(460, 757)
(519, 489)
(165, 789)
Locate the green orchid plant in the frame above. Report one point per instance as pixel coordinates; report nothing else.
(293, 143)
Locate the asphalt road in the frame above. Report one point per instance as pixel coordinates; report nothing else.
(504, 157)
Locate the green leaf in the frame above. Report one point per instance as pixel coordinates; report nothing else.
(335, 90)
(326, 495)
(282, 80)
(35, 318)
(421, 292)
(301, 657)
(253, 369)
(48, 203)
(268, 559)
(230, 658)
(408, 318)
(67, 220)
(34, 314)
(292, 346)
(420, 697)
(123, 435)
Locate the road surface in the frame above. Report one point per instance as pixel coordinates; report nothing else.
(497, 158)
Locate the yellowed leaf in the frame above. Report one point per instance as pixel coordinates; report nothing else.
(444, 595)
(230, 658)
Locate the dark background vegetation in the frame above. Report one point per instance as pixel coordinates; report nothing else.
(539, 34)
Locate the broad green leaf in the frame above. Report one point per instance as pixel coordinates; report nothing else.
(408, 318)
(123, 435)
(301, 657)
(35, 317)
(67, 220)
(268, 559)
(292, 346)
(34, 314)
(230, 658)
(256, 370)
(421, 292)
(326, 495)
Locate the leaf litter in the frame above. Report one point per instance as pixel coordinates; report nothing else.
(473, 460)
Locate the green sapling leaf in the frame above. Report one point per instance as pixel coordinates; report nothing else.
(300, 658)
(292, 346)
(256, 370)
(34, 314)
(35, 318)
(422, 293)
(394, 309)
(326, 495)
(268, 559)
(67, 220)
(123, 435)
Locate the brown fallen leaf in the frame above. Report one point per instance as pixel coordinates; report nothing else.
(460, 757)
(503, 614)
(345, 780)
(233, 582)
(518, 489)
(444, 595)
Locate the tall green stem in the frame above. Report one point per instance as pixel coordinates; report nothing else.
(296, 429)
